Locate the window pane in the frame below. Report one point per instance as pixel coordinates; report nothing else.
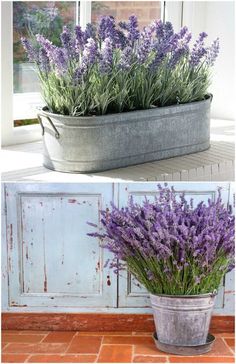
(32, 17)
(146, 11)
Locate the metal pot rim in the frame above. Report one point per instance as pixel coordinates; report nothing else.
(202, 295)
(44, 110)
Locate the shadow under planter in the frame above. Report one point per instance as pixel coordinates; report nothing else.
(98, 143)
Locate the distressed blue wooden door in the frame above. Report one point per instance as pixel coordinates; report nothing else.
(51, 260)
(131, 293)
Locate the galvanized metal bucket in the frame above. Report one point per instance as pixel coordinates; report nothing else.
(182, 320)
(98, 143)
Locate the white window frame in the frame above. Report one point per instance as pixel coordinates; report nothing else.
(17, 135)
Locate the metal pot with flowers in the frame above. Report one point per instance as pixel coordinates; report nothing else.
(179, 252)
(116, 95)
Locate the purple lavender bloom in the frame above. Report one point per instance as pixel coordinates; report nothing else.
(212, 52)
(174, 235)
(144, 46)
(106, 56)
(133, 32)
(198, 50)
(32, 52)
(106, 28)
(90, 32)
(44, 61)
(79, 39)
(57, 56)
(180, 47)
(89, 53)
(126, 56)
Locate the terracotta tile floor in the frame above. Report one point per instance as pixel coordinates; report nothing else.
(101, 347)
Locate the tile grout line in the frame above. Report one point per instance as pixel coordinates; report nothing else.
(232, 351)
(69, 343)
(132, 354)
(99, 351)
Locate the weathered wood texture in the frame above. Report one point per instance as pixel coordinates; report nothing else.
(95, 322)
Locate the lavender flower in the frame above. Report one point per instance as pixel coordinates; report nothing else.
(144, 46)
(212, 52)
(68, 42)
(106, 56)
(133, 32)
(198, 50)
(167, 236)
(30, 49)
(89, 53)
(44, 61)
(125, 60)
(179, 46)
(57, 56)
(79, 38)
(154, 54)
(90, 32)
(106, 28)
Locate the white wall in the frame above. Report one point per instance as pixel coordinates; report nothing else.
(217, 18)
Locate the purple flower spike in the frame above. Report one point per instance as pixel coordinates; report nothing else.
(133, 32)
(198, 51)
(57, 56)
(125, 60)
(31, 51)
(106, 28)
(106, 56)
(89, 53)
(79, 39)
(212, 52)
(144, 47)
(68, 42)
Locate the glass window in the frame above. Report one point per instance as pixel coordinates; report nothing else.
(30, 18)
(146, 11)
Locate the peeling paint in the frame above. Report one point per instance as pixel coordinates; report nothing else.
(72, 200)
(108, 281)
(27, 253)
(97, 267)
(45, 284)
(11, 237)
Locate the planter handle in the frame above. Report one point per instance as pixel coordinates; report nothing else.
(214, 293)
(57, 135)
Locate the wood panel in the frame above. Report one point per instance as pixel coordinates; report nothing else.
(52, 260)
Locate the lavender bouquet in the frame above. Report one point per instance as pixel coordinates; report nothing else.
(168, 245)
(113, 68)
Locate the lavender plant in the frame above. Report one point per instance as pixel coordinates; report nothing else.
(168, 245)
(117, 67)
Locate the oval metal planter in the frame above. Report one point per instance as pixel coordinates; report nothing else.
(98, 143)
(182, 320)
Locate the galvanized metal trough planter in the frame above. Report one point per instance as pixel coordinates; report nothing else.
(98, 143)
(182, 322)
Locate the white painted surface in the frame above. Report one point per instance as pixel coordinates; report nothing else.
(217, 19)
